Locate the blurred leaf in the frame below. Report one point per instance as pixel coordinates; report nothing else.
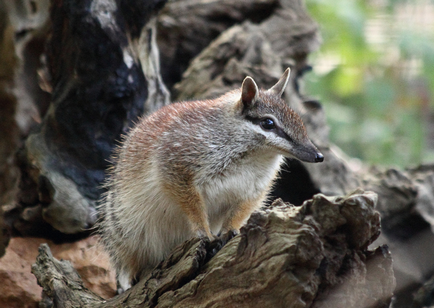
(375, 94)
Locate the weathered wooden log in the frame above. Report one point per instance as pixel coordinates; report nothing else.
(8, 126)
(104, 72)
(185, 28)
(310, 256)
(9, 132)
(405, 201)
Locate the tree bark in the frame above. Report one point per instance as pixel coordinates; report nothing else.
(104, 73)
(185, 28)
(310, 256)
(8, 126)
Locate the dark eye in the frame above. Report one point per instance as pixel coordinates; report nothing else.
(267, 124)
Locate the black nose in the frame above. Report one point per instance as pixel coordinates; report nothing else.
(319, 158)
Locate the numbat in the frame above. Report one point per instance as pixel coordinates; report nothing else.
(197, 168)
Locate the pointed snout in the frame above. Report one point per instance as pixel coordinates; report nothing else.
(308, 153)
(310, 156)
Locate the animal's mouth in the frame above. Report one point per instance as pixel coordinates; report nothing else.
(307, 154)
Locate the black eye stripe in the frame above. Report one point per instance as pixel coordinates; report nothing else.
(257, 121)
(278, 130)
(253, 120)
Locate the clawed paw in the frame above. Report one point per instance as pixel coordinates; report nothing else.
(221, 240)
(225, 237)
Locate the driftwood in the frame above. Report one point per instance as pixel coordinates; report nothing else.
(285, 256)
(8, 127)
(95, 57)
(405, 201)
(101, 71)
(185, 28)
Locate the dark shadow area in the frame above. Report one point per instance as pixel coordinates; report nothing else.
(403, 227)
(294, 184)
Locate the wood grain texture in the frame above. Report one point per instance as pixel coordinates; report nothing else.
(310, 256)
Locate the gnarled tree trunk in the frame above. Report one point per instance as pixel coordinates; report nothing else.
(309, 256)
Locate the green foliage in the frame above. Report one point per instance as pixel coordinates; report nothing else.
(374, 77)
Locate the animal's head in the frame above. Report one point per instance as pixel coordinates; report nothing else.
(281, 126)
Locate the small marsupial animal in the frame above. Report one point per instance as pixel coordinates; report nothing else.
(196, 168)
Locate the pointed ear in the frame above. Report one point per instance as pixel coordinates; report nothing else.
(249, 92)
(280, 86)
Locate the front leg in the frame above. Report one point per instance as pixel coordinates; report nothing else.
(180, 186)
(239, 214)
(193, 206)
